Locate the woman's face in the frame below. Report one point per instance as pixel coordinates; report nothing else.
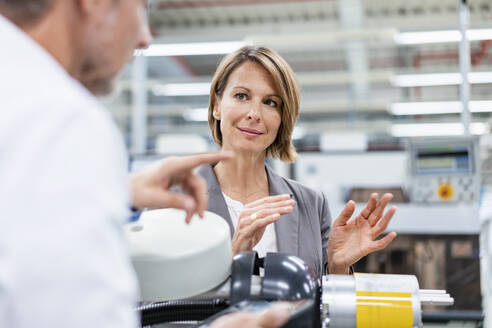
(249, 110)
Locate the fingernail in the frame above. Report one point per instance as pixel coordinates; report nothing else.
(281, 312)
(283, 306)
(291, 196)
(189, 204)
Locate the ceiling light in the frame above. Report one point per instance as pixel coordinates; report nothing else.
(480, 77)
(438, 107)
(425, 108)
(479, 34)
(436, 79)
(182, 89)
(191, 49)
(407, 38)
(196, 115)
(299, 132)
(423, 80)
(436, 129)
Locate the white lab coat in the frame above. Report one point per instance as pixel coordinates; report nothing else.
(63, 198)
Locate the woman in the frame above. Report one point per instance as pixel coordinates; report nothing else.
(254, 104)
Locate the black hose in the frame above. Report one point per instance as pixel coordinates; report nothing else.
(173, 311)
(452, 315)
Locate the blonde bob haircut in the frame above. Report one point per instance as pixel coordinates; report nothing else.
(285, 84)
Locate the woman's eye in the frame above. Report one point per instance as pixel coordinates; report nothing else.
(271, 103)
(240, 96)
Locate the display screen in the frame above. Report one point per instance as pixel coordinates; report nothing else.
(450, 159)
(361, 195)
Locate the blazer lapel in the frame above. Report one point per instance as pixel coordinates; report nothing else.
(287, 227)
(216, 201)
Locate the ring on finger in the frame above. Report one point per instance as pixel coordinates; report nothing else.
(253, 216)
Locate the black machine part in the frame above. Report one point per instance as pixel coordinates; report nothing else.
(174, 311)
(286, 278)
(244, 266)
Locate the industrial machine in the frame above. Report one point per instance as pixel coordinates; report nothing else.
(437, 233)
(186, 274)
(433, 179)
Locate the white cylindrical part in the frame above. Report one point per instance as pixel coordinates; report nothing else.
(176, 260)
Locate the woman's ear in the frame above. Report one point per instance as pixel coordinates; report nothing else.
(216, 111)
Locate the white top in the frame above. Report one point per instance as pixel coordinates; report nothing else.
(63, 198)
(268, 243)
(166, 252)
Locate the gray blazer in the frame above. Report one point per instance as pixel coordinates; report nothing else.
(303, 233)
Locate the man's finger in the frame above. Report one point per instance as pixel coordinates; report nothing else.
(234, 320)
(166, 198)
(346, 214)
(376, 214)
(196, 186)
(192, 161)
(274, 317)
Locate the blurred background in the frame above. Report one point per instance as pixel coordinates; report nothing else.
(361, 66)
(380, 111)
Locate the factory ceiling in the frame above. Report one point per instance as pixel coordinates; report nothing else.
(355, 59)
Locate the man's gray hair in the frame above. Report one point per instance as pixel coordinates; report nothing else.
(25, 12)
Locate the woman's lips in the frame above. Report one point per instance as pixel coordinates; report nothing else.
(250, 132)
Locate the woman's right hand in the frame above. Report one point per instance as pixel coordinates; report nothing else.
(254, 219)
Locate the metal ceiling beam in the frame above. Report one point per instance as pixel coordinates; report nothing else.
(351, 15)
(180, 4)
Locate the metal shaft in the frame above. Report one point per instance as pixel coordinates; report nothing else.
(435, 297)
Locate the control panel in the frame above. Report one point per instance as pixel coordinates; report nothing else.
(444, 169)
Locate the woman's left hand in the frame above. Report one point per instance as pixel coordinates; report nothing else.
(351, 240)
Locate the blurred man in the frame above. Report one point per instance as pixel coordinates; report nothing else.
(64, 193)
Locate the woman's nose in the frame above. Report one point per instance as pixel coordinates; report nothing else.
(254, 112)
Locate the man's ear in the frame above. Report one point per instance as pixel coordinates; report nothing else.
(90, 7)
